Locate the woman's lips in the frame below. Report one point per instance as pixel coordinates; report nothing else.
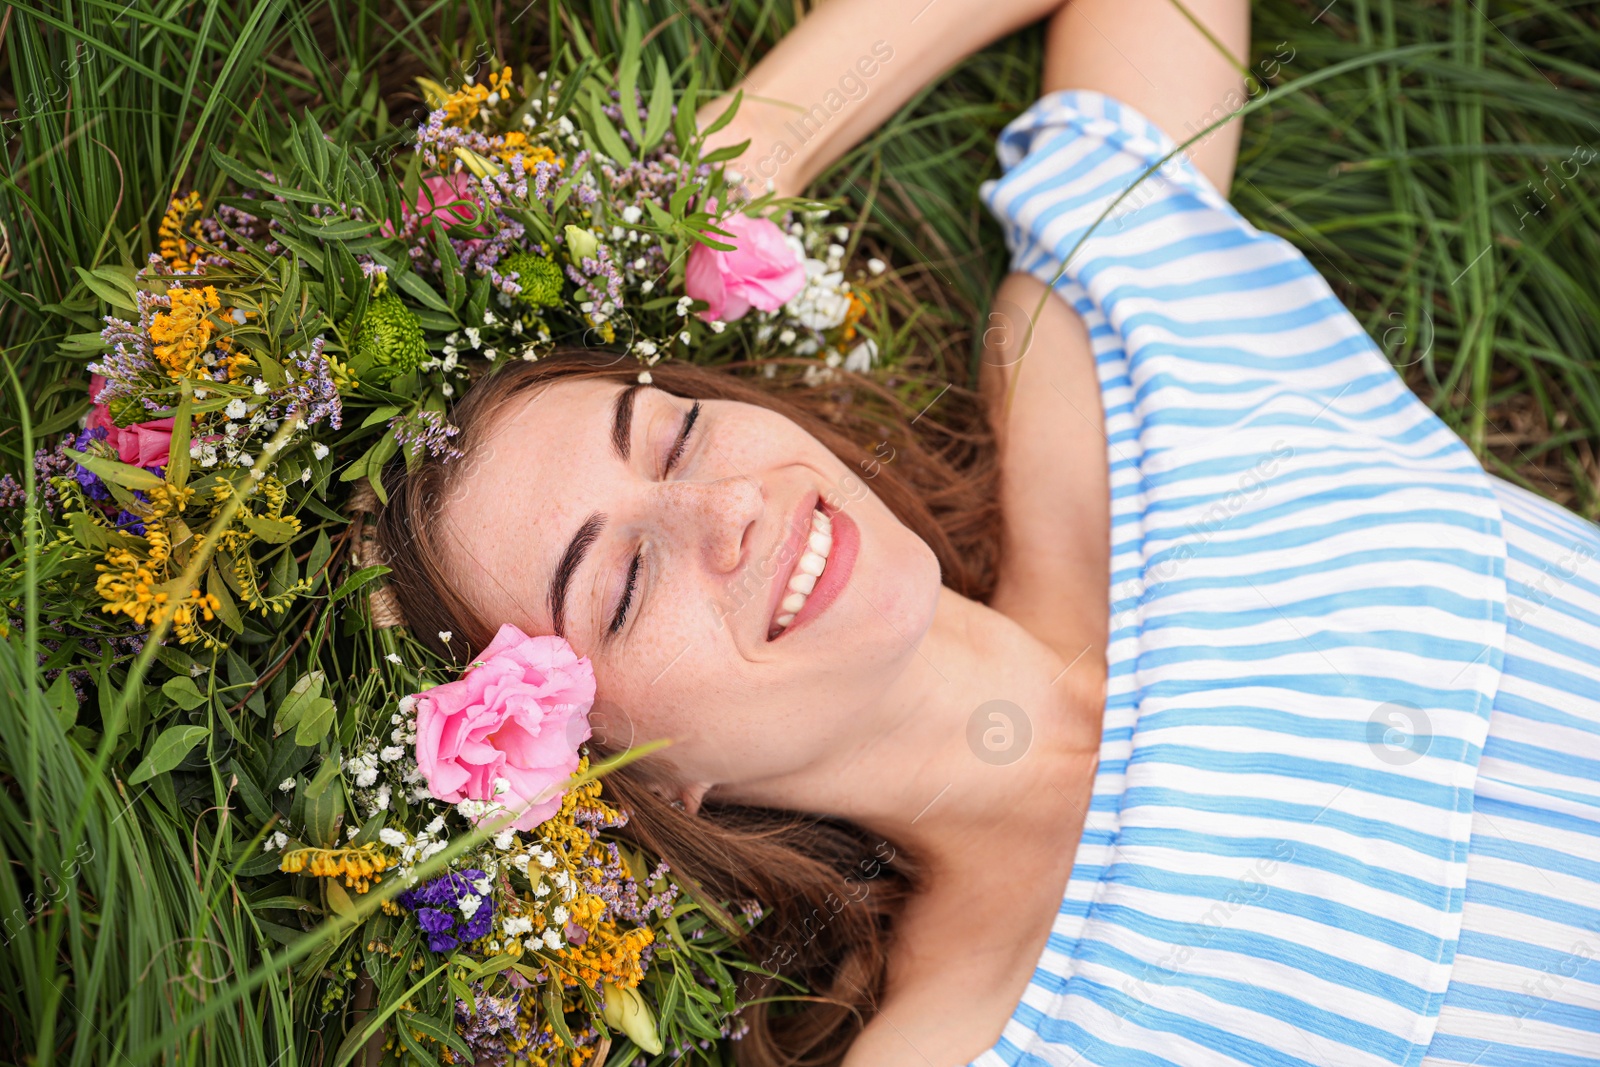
(841, 558)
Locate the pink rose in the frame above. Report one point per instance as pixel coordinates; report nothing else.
(446, 197)
(762, 272)
(518, 713)
(144, 444)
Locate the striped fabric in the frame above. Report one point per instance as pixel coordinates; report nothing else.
(1348, 804)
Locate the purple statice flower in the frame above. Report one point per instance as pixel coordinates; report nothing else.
(600, 280)
(130, 358)
(492, 1028)
(310, 394)
(48, 463)
(451, 909)
(428, 429)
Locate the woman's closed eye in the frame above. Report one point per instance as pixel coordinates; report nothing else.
(674, 454)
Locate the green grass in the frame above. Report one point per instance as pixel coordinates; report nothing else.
(1451, 200)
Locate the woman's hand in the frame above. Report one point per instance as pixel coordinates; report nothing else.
(843, 72)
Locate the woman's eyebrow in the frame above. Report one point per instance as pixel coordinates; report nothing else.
(622, 421)
(571, 559)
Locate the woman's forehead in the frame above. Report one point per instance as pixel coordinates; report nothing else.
(529, 482)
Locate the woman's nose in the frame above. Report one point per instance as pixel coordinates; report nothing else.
(717, 518)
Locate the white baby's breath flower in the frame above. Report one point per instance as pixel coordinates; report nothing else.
(876, 265)
(645, 287)
(684, 337)
(287, 785)
(472, 336)
(552, 939)
(489, 353)
(391, 753)
(469, 905)
(319, 450)
(305, 476)
(786, 337)
(392, 837)
(717, 326)
(631, 214)
(644, 377)
(235, 409)
(275, 841)
(394, 657)
(488, 317)
(504, 839)
(447, 389)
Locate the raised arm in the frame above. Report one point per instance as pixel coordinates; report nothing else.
(844, 70)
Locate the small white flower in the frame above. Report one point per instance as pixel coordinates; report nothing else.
(392, 837)
(559, 913)
(394, 657)
(516, 925)
(717, 326)
(862, 357)
(382, 799)
(541, 890)
(617, 233)
(646, 348)
(447, 389)
(552, 939)
(275, 841)
(683, 306)
(435, 826)
(504, 839)
(445, 636)
(391, 753)
(786, 337)
(287, 785)
(472, 336)
(305, 476)
(640, 263)
(494, 98)
(367, 779)
(502, 786)
(237, 315)
(469, 905)
(645, 287)
(876, 265)
(684, 337)
(631, 214)
(644, 377)
(235, 409)
(200, 394)
(488, 317)
(586, 307)
(319, 450)
(407, 704)
(489, 353)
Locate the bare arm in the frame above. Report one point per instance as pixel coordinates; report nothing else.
(844, 71)
(1053, 485)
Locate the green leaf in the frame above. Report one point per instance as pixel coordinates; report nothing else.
(660, 108)
(183, 692)
(357, 580)
(272, 531)
(628, 76)
(314, 722)
(438, 1031)
(342, 229)
(555, 1016)
(174, 743)
(688, 103)
(324, 804)
(245, 176)
(108, 291)
(306, 689)
(422, 291)
(182, 425)
(321, 552)
(727, 116)
(610, 142)
(732, 151)
(109, 470)
(227, 610)
(64, 700)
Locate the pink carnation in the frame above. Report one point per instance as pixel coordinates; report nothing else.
(446, 197)
(144, 444)
(518, 713)
(764, 271)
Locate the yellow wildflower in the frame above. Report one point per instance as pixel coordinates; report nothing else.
(359, 867)
(183, 332)
(177, 249)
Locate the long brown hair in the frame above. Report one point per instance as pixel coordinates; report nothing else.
(829, 891)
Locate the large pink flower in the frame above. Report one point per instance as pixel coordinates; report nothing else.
(764, 271)
(144, 444)
(448, 198)
(518, 713)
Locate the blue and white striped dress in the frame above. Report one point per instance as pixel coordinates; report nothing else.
(1348, 804)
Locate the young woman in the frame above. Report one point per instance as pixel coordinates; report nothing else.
(1245, 719)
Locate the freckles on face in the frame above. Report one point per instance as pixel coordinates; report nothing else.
(661, 536)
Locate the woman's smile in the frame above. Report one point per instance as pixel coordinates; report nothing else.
(823, 548)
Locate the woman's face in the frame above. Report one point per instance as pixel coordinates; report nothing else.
(584, 484)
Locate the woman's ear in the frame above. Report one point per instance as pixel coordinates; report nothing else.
(690, 797)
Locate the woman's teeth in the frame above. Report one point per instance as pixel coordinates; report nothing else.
(812, 562)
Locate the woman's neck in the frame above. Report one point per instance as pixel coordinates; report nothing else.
(982, 748)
